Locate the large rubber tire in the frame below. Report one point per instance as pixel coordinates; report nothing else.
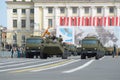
(31, 56)
(43, 56)
(83, 56)
(97, 57)
(27, 55)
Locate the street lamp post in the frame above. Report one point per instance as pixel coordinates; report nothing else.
(1, 28)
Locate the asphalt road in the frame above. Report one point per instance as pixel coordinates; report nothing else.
(107, 68)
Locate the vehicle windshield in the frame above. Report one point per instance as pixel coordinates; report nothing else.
(72, 46)
(89, 42)
(35, 41)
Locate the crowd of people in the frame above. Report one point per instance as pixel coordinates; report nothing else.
(17, 52)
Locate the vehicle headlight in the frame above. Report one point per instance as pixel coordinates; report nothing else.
(95, 48)
(38, 47)
(83, 48)
(27, 47)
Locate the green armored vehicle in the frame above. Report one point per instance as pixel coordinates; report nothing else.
(33, 45)
(73, 49)
(53, 47)
(92, 47)
(109, 50)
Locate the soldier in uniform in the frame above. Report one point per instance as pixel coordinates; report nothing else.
(114, 50)
(60, 39)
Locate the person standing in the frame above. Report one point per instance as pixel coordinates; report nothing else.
(18, 52)
(60, 39)
(114, 51)
(12, 52)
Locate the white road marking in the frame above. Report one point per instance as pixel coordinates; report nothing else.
(102, 58)
(24, 63)
(79, 68)
(59, 65)
(30, 66)
(14, 62)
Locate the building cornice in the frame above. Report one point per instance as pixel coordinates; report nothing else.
(19, 2)
(74, 1)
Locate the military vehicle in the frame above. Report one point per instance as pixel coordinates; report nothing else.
(33, 45)
(78, 50)
(109, 50)
(73, 49)
(92, 47)
(52, 46)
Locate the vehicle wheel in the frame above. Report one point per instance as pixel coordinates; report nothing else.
(89, 56)
(27, 55)
(83, 56)
(43, 56)
(97, 57)
(31, 56)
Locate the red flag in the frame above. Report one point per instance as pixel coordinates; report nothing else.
(60, 21)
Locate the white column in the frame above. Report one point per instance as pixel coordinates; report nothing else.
(93, 14)
(36, 18)
(28, 19)
(80, 13)
(106, 13)
(19, 19)
(69, 14)
(44, 17)
(118, 14)
(56, 18)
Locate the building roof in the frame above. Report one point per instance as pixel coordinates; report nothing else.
(98, 1)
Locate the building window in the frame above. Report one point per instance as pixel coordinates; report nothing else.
(111, 10)
(15, 23)
(74, 10)
(62, 10)
(50, 22)
(14, 11)
(32, 23)
(32, 11)
(86, 10)
(99, 10)
(23, 23)
(23, 11)
(50, 10)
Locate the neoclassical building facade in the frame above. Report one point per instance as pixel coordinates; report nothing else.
(25, 17)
